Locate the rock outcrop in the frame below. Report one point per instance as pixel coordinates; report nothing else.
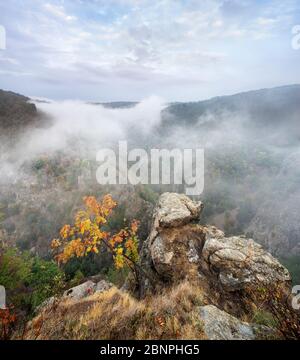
(179, 248)
(171, 235)
(174, 210)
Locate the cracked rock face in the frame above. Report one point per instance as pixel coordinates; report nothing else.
(237, 261)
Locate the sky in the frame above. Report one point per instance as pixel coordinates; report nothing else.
(179, 50)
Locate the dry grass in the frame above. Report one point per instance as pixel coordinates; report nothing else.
(117, 315)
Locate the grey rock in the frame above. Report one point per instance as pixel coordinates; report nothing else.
(103, 286)
(175, 210)
(219, 325)
(192, 253)
(239, 261)
(81, 291)
(159, 253)
(178, 248)
(162, 249)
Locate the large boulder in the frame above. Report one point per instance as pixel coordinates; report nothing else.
(86, 289)
(81, 291)
(219, 325)
(238, 262)
(175, 210)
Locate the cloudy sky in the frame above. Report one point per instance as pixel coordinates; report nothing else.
(109, 50)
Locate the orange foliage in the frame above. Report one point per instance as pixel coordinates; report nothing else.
(87, 235)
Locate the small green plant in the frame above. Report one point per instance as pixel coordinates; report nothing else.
(28, 280)
(117, 277)
(77, 279)
(262, 317)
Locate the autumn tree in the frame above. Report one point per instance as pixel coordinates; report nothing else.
(89, 234)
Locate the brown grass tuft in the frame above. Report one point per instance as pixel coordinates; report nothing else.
(115, 315)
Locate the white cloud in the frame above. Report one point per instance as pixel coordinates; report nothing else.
(59, 12)
(140, 45)
(266, 21)
(8, 60)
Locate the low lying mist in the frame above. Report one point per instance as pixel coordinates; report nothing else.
(251, 176)
(79, 129)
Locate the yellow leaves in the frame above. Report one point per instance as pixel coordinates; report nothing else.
(65, 232)
(116, 239)
(95, 250)
(134, 226)
(131, 243)
(127, 241)
(85, 226)
(101, 220)
(91, 203)
(119, 258)
(71, 249)
(119, 251)
(108, 204)
(80, 216)
(86, 235)
(131, 246)
(100, 210)
(55, 244)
